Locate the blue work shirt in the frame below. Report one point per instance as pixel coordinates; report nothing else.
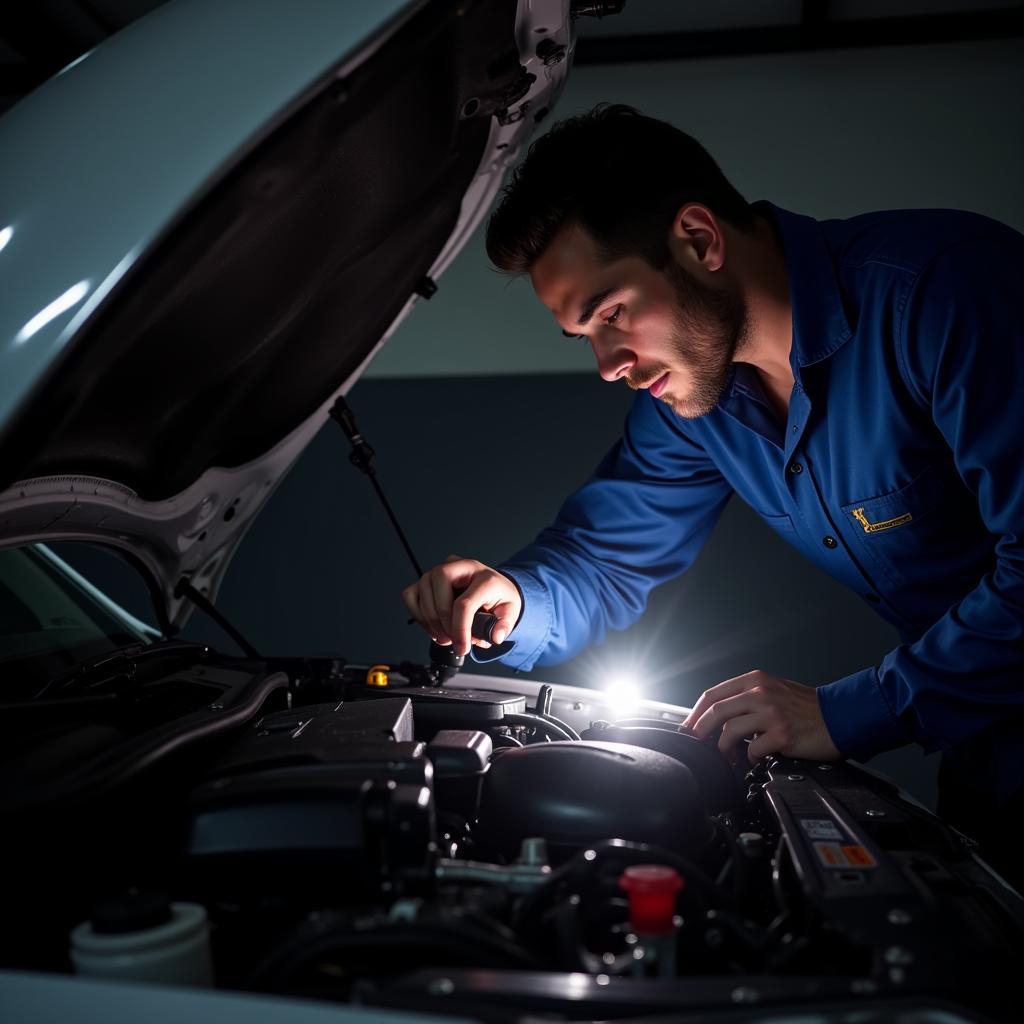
(898, 471)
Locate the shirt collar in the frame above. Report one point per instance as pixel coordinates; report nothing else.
(820, 325)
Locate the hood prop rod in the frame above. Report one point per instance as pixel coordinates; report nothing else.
(361, 457)
(202, 602)
(444, 664)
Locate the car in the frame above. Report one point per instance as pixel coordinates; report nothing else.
(208, 227)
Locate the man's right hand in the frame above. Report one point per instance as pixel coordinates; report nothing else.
(445, 599)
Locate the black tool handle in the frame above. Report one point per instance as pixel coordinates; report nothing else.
(483, 626)
(445, 662)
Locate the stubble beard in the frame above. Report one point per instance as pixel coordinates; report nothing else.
(710, 329)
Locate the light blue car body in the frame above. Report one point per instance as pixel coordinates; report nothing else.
(93, 173)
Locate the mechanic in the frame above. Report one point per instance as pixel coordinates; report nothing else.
(859, 383)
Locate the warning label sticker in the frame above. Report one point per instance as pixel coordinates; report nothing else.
(821, 828)
(842, 855)
(859, 856)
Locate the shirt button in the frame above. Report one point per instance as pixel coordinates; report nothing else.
(796, 468)
(829, 541)
(873, 598)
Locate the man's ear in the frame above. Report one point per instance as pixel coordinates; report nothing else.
(696, 238)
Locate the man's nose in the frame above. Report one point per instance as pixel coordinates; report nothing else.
(614, 362)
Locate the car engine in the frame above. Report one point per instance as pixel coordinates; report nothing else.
(364, 834)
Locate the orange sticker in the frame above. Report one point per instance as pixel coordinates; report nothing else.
(834, 855)
(859, 857)
(830, 854)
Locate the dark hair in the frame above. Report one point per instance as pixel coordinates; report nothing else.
(618, 174)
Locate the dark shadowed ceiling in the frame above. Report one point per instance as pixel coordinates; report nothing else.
(38, 38)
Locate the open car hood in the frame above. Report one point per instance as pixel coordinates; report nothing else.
(208, 227)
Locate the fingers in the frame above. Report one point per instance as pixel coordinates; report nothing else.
(734, 732)
(438, 599)
(710, 697)
(740, 707)
(761, 746)
(782, 715)
(489, 591)
(429, 616)
(429, 599)
(436, 603)
(722, 711)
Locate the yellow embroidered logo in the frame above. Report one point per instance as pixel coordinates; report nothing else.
(886, 524)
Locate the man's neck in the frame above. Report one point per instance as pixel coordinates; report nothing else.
(760, 266)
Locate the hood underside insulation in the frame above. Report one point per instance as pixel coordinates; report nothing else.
(270, 291)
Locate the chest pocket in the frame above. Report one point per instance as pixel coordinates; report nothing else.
(922, 524)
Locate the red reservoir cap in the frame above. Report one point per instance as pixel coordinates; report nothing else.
(652, 892)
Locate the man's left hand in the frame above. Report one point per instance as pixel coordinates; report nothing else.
(781, 715)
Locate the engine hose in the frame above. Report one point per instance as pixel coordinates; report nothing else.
(535, 721)
(554, 720)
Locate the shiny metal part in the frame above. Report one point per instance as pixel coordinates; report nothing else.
(516, 878)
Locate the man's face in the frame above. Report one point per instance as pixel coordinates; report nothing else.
(665, 331)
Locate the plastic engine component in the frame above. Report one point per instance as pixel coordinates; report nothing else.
(320, 734)
(651, 889)
(717, 781)
(582, 792)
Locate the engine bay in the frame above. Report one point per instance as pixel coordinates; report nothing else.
(492, 847)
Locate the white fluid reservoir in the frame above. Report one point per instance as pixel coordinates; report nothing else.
(168, 944)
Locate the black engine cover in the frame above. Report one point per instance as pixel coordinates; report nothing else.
(574, 793)
(717, 781)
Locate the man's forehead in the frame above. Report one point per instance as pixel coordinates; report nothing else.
(568, 271)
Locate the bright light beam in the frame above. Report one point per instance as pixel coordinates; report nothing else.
(622, 696)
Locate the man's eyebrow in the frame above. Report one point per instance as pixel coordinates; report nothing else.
(589, 307)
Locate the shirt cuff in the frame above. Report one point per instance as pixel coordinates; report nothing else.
(858, 717)
(530, 636)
